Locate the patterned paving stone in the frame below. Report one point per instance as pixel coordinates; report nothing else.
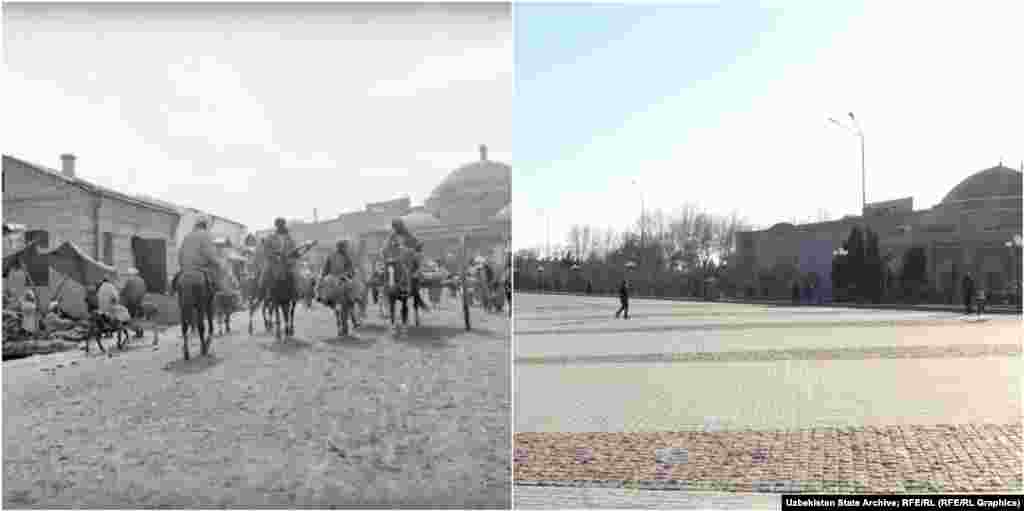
(971, 458)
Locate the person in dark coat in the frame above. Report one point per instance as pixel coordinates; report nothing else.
(623, 299)
(968, 290)
(796, 292)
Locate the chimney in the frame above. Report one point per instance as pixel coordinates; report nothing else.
(483, 152)
(68, 165)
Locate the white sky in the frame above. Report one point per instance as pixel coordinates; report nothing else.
(938, 88)
(257, 111)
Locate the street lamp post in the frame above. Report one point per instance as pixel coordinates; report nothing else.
(839, 252)
(1015, 244)
(857, 131)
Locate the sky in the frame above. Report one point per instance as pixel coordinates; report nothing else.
(725, 106)
(253, 111)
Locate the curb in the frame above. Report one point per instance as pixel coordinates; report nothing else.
(997, 309)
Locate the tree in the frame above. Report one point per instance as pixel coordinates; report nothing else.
(914, 271)
(874, 268)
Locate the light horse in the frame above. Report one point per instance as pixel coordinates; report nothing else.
(256, 292)
(226, 301)
(343, 294)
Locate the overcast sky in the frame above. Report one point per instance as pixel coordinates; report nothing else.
(257, 111)
(727, 107)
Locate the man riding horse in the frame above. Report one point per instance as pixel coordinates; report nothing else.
(281, 245)
(198, 253)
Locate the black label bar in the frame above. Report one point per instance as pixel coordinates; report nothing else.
(947, 501)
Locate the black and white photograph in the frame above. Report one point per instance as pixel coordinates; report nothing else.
(257, 255)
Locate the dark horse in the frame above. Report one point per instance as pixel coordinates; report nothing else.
(196, 303)
(399, 286)
(281, 291)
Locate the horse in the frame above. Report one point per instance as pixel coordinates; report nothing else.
(281, 292)
(399, 286)
(195, 302)
(225, 303)
(342, 294)
(256, 298)
(307, 290)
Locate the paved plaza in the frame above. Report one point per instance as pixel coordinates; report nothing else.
(763, 399)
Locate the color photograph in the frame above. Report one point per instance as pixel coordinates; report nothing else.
(766, 250)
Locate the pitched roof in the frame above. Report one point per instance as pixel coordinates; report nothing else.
(95, 188)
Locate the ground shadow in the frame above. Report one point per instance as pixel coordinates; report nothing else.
(351, 341)
(430, 336)
(287, 345)
(195, 365)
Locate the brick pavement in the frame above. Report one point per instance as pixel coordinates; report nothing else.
(802, 399)
(951, 458)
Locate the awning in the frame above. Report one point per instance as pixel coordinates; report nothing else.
(66, 259)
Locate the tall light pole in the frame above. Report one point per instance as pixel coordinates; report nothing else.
(1014, 245)
(856, 130)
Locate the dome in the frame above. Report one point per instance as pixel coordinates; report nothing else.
(997, 181)
(504, 215)
(472, 193)
(418, 220)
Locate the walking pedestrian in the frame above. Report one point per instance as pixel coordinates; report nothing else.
(623, 300)
(796, 292)
(968, 291)
(981, 297)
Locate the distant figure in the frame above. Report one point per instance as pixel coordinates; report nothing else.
(132, 293)
(106, 297)
(17, 279)
(590, 287)
(796, 292)
(968, 290)
(981, 297)
(29, 313)
(623, 300)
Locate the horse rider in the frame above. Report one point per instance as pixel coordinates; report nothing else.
(399, 243)
(339, 264)
(198, 253)
(281, 244)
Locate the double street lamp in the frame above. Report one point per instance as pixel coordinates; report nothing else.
(856, 130)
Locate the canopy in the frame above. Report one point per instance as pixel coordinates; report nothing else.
(69, 260)
(66, 259)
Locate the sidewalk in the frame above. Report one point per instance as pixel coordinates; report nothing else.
(927, 307)
(555, 497)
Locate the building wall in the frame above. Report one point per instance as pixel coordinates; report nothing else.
(45, 202)
(958, 238)
(42, 201)
(124, 220)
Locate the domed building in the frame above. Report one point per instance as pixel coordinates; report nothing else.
(464, 210)
(472, 193)
(965, 233)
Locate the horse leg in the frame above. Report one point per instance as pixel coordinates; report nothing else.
(201, 329)
(344, 314)
(252, 312)
(391, 311)
(184, 331)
